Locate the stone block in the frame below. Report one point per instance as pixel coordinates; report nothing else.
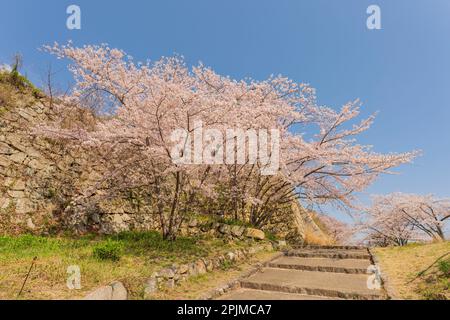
(255, 234)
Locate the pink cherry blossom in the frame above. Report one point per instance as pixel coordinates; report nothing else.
(139, 105)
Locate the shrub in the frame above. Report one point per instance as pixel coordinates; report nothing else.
(271, 236)
(18, 81)
(109, 250)
(444, 267)
(226, 265)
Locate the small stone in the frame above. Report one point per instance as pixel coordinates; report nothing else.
(4, 203)
(119, 292)
(16, 194)
(201, 268)
(19, 185)
(8, 182)
(167, 273)
(31, 152)
(25, 115)
(193, 223)
(237, 231)
(15, 141)
(102, 293)
(4, 162)
(193, 269)
(216, 263)
(224, 229)
(231, 256)
(35, 164)
(5, 149)
(18, 157)
(209, 265)
(30, 224)
(151, 287)
(170, 284)
(255, 234)
(282, 243)
(184, 268)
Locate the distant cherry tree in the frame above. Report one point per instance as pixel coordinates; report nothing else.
(399, 217)
(340, 232)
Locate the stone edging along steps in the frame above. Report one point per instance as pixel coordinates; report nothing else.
(174, 275)
(311, 273)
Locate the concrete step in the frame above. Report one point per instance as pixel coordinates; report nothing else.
(330, 253)
(351, 266)
(310, 246)
(314, 283)
(251, 294)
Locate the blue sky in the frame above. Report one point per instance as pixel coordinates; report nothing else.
(401, 71)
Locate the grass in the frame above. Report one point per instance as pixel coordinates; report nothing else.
(311, 238)
(18, 81)
(404, 266)
(129, 257)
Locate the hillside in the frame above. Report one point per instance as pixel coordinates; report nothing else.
(413, 272)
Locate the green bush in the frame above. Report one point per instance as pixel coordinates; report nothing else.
(444, 267)
(153, 241)
(109, 250)
(18, 81)
(270, 236)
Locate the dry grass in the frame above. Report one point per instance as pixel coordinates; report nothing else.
(313, 238)
(403, 264)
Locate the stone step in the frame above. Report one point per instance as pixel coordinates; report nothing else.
(252, 294)
(310, 246)
(332, 253)
(314, 283)
(351, 266)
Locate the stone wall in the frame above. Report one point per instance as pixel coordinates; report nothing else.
(37, 175)
(21, 198)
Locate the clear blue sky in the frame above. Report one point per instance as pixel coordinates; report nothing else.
(402, 71)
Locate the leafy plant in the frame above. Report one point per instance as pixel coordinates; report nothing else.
(271, 236)
(444, 267)
(109, 250)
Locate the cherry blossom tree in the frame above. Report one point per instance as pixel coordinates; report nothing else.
(382, 228)
(140, 105)
(399, 217)
(340, 232)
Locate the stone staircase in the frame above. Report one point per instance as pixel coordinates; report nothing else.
(311, 273)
